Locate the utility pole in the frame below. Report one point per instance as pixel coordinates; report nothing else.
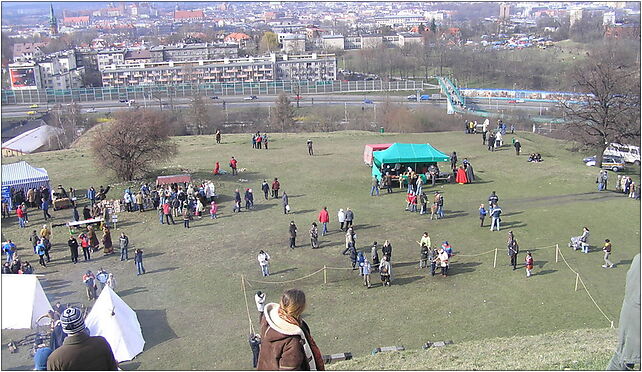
(345, 117)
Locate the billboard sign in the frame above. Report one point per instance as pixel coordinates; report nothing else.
(23, 77)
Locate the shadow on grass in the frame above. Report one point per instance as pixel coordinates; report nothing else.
(540, 264)
(513, 213)
(461, 268)
(624, 262)
(513, 224)
(56, 296)
(155, 328)
(20, 368)
(154, 254)
(127, 292)
(453, 214)
(162, 270)
(406, 280)
(284, 271)
(544, 272)
(302, 212)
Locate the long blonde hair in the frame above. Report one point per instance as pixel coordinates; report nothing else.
(292, 304)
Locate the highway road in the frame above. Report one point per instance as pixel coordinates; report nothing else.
(9, 111)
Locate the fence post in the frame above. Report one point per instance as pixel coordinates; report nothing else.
(495, 259)
(577, 281)
(611, 324)
(557, 252)
(325, 275)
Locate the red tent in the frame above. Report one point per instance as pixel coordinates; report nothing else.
(369, 149)
(177, 178)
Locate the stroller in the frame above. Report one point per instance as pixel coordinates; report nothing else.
(580, 242)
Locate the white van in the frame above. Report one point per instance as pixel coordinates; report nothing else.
(631, 154)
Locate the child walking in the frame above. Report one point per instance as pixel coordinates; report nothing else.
(529, 263)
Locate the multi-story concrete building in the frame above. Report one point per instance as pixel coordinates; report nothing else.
(294, 44)
(250, 69)
(109, 57)
(333, 42)
(371, 41)
(54, 71)
(400, 20)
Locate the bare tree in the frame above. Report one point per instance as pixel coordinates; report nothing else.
(611, 111)
(68, 120)
(132, 142)
(198, 115)
(283, 115)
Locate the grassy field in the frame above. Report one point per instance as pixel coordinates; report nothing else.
(190, 303)
(585, 349)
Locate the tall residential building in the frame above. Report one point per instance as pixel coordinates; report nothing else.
(249, 69)
(575, 15)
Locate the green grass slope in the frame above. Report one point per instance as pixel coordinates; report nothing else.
(190, 303)
(581, 349)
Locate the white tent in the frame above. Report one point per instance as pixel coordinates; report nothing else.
(23, 301)
(117, 323)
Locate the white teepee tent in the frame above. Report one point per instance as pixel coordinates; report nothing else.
(23, 301)
(111, 318)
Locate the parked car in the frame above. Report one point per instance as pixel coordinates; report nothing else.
(251, 98)
(614, 163)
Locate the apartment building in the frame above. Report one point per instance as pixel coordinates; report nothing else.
(249, 69)
(54, 71)
(293, 44)
(333, 42)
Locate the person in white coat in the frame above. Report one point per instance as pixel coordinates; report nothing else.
(341, 216)
(264, 259)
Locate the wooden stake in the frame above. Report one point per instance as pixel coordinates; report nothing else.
(495, 260)
(325, 275)
(557, 252)
(577, 281)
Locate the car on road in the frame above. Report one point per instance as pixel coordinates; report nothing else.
(297, 98)
(31, 112)
(92, 110)
(368, 101)
(614, 163)
(251, 98)
(33, 106)
(214, 97)
(123, 100)
(423, 97)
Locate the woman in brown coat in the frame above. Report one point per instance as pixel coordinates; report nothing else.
(93, 239)
(108, 247)
(286, 343)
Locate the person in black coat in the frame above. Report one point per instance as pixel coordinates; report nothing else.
(73, 248)
(387, 250)
(86, 213)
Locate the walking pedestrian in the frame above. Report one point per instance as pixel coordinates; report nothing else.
(482, 215)
(423, 256)
(73, 248)
(349, 217)
(218, 136)
(264, 262)
(138, 260)
(495, 214)
(385, 271)
(167, 211)
(233, 165)
(492, 200)
(607, 253)
(213, 210)
(366, 269)
(276, 185)
(443, 261)
(90, 285)
(513, 250)
(124, 246)
(518, 146)
(375, 256)
(265, 188)
(314, 236)
(375, 186)
(21, 217)
(101, 278)
(249, 199)
(186, 217)
(341, 217)
(9, 248)
(310, 151)
(45, 208)
(292, 231)
(107, 243)
(86, 246)
(34, 238)
(324, 218)
(529, 263)
(285, 202)
(111, 282)
(387, 250)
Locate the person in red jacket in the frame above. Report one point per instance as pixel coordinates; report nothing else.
(21, 217)
(275, 188)
(233, 164)
(324, 218)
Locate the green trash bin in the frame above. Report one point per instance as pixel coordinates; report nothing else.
(381, 130)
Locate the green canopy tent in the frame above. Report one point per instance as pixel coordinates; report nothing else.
(407, 154)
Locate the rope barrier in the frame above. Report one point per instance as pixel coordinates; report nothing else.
(579, 277)
(247, 306)
(285, 281)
